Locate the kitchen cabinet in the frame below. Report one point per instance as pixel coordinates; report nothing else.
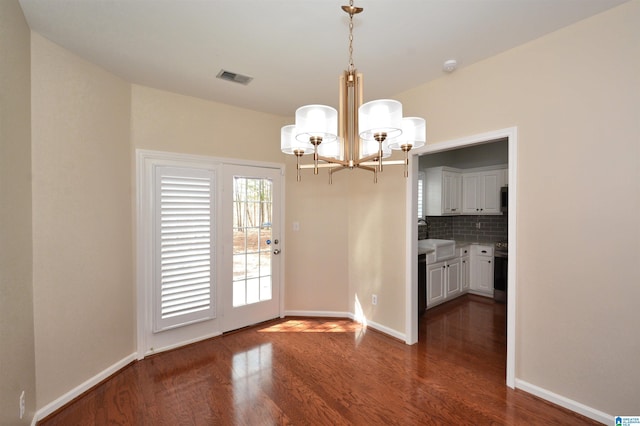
(443, 281)
(481, 192)
(465, 270)
(435, 283)
(452, 278)
(481, 270)
(443, 191)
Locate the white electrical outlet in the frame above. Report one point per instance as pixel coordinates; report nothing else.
(374, 299)
(22, 404)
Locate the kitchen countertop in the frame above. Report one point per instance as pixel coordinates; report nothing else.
(468, 243)
(425, 251)
(459, 243)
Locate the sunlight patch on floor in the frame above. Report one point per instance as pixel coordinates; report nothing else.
(314, 326)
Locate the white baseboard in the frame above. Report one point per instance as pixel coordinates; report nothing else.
(79, 390)
(181, 344)
(386, 330)
(321, 314)
(335, 314)
(567, 403)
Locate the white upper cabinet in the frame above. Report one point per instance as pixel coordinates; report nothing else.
(481, 192)
(452, 192)
(449, 191)
(443, 191)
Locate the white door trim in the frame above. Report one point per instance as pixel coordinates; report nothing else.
(411, 307)
(145, 160)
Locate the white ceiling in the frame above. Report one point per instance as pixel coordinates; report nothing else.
(294, 49)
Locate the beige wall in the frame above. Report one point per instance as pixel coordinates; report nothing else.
(166, 121)
(575, 97)
(317, 269)
(17, 363)
(82, 215)
(377, 246)
(316, 274)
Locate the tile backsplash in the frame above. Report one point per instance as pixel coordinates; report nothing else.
(464, 228)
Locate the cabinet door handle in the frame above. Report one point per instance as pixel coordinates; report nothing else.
(489, 261)
(484, 251)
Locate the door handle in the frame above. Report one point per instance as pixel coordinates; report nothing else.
(276, 251)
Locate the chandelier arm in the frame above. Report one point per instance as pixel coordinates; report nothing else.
(332, 160)
(368, 160)
(386, 163)
(321, 166)
(338, 169)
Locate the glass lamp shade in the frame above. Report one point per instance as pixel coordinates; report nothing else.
(330, 149)
(316, 121)
(414, 133)
(381, 116)
(289, 144)
(371, 148)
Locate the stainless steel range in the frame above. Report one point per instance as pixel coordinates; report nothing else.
(500, 268)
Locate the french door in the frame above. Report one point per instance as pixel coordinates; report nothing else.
(250, 284)
(208, 243)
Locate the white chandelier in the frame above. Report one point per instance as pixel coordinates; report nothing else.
(358, 135)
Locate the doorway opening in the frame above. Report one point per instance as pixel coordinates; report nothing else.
(444, 149)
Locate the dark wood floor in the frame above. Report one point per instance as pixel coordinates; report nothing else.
(327, 372)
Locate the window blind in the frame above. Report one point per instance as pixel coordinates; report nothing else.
(184, 247)
(421, 183)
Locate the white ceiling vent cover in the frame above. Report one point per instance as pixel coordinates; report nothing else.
(234, 77)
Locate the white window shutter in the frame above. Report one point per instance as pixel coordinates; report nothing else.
(184, 250)
(421, 183)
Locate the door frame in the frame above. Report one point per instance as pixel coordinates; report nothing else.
(145, 160)
(411, 278)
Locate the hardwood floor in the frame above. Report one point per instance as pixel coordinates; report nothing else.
(304, 371)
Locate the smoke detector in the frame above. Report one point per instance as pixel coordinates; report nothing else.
(234, 77)
(450, 65)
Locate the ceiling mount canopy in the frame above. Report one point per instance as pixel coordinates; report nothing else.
(357, 135)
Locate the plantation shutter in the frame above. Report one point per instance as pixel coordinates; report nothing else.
(421, 183)
(184, 278)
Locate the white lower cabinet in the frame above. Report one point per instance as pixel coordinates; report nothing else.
(435, 283)
(443, 281)
(465, 273)
(453, 278)
(470, 271)
(482, 270)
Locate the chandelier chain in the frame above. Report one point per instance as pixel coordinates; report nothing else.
(351, 65)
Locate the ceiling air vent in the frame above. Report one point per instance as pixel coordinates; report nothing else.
(236, 78)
